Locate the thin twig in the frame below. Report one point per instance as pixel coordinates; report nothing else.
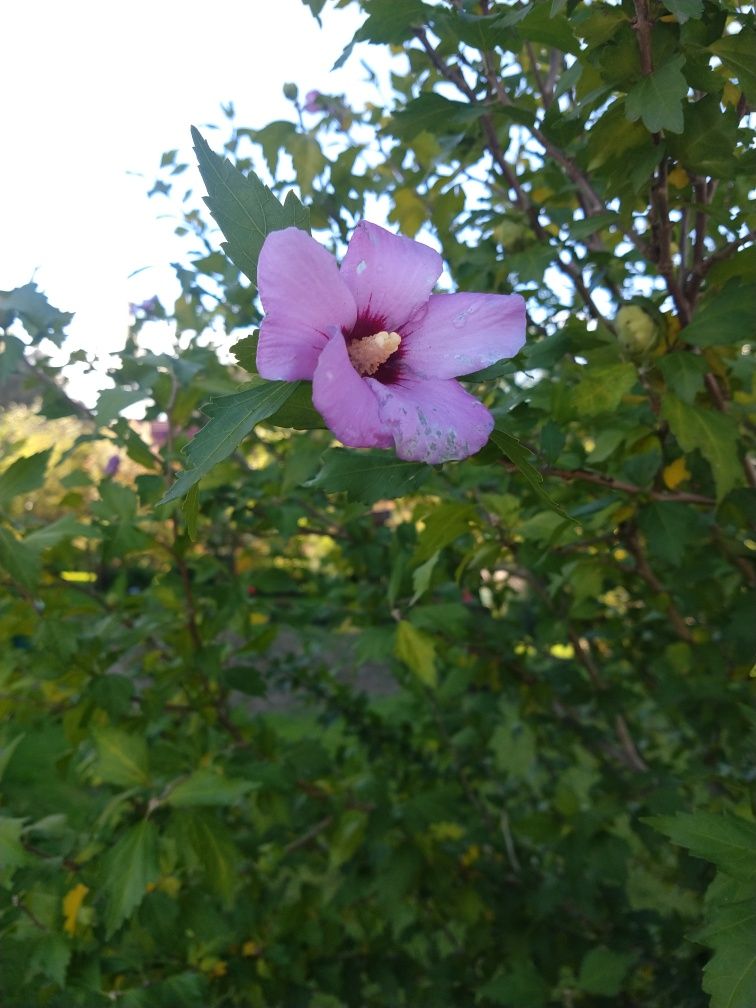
(585, 476)
(522, 199)
(309, 835)
(644, 570)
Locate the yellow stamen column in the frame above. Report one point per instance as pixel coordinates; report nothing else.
(369, 353)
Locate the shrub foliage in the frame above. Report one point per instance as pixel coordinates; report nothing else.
(283, 723)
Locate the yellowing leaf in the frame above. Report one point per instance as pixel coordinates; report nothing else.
(72, 902)
(678, 177)
(408, 212)
(675, 473)
(416, 650)
(731, 94)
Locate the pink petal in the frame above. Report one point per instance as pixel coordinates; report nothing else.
(304, 297)
(345, 400)
(462, 333)
(391, 277)
(432, 421)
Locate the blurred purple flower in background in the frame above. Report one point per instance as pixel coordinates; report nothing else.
(149, 308)
(312, 101)
(112, 465)
(382, 351)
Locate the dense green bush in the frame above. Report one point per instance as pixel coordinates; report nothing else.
(327, 729)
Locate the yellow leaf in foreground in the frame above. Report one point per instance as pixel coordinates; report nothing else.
(675, 473)
(72, 902)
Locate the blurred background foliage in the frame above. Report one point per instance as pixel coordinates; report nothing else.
(331, 732)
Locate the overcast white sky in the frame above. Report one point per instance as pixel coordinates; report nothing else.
(92, 93)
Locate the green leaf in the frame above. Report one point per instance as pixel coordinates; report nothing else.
(685, 9)
(40, 319)
(129, 867)
(62, 530)
(388, 23)
(683, 372)
(121, 758)
(421, 577)
(23, 475)
(206, 787)
(602, 971)
(601, 388)
(316, 6)
(519, 985)
(737, 52)
(657, 99)
(12, 853)
(552, 30)
(727, 922)
(730, 975)
(6, 751)
(190, 507)
(214, 852)
(50, 958)
(707, 144)
(433, 113)
(517, 454)
(671, 528)
(245, 352)
(728, 842)
(347, 836)
(245, 209)
(513, 743)
(481, 31)
(442, 525)
(298, 412)
(368, 476)
(307, 159)
(112, 401)
(21, 562)
(724, 318)
(712, 433)
(417, 651)
(592, 225)
(11, 355)
(232, 418)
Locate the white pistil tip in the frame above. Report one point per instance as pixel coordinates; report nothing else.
(369, 353)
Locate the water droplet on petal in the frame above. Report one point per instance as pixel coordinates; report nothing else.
(460, 320)
(361, 267)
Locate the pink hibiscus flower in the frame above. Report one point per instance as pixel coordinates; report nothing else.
(382, 351)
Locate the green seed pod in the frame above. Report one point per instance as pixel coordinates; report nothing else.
(636, 330)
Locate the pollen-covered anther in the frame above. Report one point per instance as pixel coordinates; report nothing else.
(369, 353)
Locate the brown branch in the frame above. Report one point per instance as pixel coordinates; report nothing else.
(522, 199)
(540, 83)
(702, 267)
(642, 26)
(683, 243)
(584, 653)
(555, 65)
(585, 476)
(699, 247)
(309, 835)
(629, 748)
(191, 607)
(663, 243)
(42, 376)
(593, 202)
(644, 570)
